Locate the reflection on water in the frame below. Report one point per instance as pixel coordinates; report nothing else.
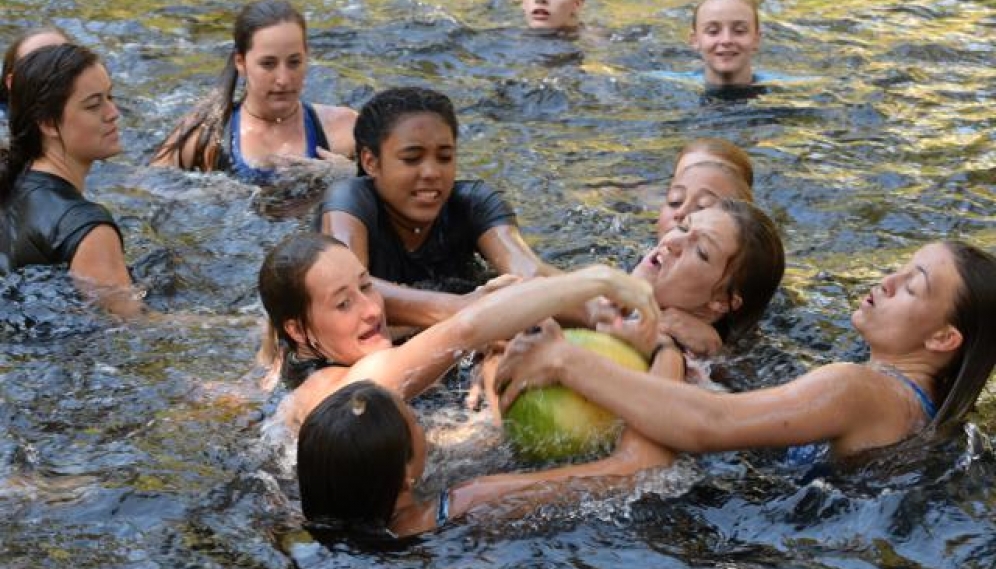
(140, 445)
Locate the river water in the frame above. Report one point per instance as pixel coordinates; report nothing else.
(141, 445)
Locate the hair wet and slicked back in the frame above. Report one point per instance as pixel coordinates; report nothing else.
(380, 114)
(974, 315)
(351, 456)
(751, 3)
(10, 56)
(755, 271)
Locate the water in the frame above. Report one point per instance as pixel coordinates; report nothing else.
(139, 445)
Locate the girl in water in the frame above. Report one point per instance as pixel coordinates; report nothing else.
(331, 326)
(552, 14)
(62, 120)
(929, 327)
(409, 220)
(271, 120)
(727, 34)
(363, 441)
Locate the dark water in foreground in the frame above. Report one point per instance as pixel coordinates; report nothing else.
(142, 445)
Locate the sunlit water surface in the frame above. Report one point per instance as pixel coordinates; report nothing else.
(141, 445)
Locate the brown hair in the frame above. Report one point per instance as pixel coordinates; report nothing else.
(724, 151)
(10, 56)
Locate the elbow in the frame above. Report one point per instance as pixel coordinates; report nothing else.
(705, 434)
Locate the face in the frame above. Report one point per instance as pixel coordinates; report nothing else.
(274, 68)
(909, 306)
(416, 168)
(694, 189)
(89, 126)
(416, 467)
(687, 268)
(726, 37)
(551, 14)
(346, 315)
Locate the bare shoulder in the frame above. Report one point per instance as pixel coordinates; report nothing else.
(337, 117)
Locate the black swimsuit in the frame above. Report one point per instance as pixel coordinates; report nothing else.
(295, 371)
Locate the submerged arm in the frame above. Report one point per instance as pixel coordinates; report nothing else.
(99, 269)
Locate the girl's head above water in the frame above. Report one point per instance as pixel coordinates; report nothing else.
(697, 186)
(54, 88)
(320, 300)
(937, 310)
(722, 263)
(726, 33)
(256, 16)
(552, 14)
(356, 453)
(381, 114)
(716, 150)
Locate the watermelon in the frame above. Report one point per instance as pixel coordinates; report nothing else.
(554, 423)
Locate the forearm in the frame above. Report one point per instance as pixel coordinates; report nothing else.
(505, 312)
(407, 306)
(670, 413)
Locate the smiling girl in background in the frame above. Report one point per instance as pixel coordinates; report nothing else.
(727, 34)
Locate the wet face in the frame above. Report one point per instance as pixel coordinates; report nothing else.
(551, 14)
(346, 316)
(687, 268)
(726, 37)
(274, 69)
(910, 306)
(415, 171)
(694, 188)
(416, 466)
(88, 130)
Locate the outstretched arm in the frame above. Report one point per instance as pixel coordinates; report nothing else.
(829, 403)
(411, 367)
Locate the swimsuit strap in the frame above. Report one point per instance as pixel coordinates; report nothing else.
(443, 510)
(925, 401)
(314, 134)
(296, 370)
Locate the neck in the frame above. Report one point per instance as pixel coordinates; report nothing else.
(412, 234)
(914, 366)
(64, 167)
(739, 78)
(269, 118)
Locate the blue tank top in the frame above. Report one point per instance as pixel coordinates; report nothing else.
(809, 454)
(314, 137)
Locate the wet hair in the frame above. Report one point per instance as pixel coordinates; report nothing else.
(380, 114)
(45, 79)
(351, 457)
(10, 56)
(732, 174)
(282, 288)
(751, 3)
(723, 151)
(209, 118)
(756, 269)
(974, 311)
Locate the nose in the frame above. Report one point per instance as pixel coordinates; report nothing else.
(430, 169)
(673, 241)
(683, 211)
(112, 112)
(373, 307)
(889, 284)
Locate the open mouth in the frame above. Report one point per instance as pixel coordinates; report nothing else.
(372, 333)
(427, 196)
(540, 14)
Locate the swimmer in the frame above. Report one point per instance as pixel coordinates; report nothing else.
(700, 185)
(706, 271)
(552, 14)
(62, 119)
(929, 328)
(330, 322)
(727, 34)
(408, 220)
(271, 121)
(21, 46)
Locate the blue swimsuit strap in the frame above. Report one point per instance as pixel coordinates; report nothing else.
(443, 510)
(314, 136)
(925, 401)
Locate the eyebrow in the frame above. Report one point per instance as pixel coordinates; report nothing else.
(926, 275)
(705, 235)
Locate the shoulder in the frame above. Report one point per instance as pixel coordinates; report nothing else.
(355, 195)
(335, 118)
